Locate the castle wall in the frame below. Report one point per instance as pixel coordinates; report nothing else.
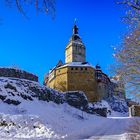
(76, 79)
(75, 53)
(83, 79)
(78, 53)
(68, 54)
(59, 82)
(134, 110)
(101, 90)
(16, 73)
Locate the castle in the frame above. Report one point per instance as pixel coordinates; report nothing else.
(78, 75)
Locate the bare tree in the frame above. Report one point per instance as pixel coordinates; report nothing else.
(135, 4)
(132, 11)
(127, 55)
(46, 6)
(128, 61)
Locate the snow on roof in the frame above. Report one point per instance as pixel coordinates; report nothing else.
(77, 64)
(73, 64)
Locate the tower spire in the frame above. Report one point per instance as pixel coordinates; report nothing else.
(75, 50)
(75, 28)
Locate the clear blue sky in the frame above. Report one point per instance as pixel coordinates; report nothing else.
(37, 44)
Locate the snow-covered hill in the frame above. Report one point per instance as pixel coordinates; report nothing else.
(25, 113)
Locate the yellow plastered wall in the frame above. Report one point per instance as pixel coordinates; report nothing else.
(83, 79)
(59, 82)
(76, 79)
(68, 54)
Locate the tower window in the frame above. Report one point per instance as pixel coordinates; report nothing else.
(85, 68)
(76, 68)
(71, 68)
(81, 68)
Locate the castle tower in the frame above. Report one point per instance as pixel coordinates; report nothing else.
(75, 50)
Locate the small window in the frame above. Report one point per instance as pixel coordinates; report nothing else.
(76, 68)
(71, 68)
(81, 68)
(85, 68)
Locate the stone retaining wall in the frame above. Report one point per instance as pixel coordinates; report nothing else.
(16, 73)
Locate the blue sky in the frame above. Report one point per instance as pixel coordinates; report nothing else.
(37, 44)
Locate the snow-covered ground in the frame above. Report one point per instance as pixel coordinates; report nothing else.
(47, 120)
(43, 120)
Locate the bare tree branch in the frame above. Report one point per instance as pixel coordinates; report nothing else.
(46, 6)
(134, 5)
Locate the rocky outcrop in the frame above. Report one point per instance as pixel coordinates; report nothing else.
(14, 91)
(12, 101)
(17, 73)
(76, 99)
(98, 111)
(118, 104)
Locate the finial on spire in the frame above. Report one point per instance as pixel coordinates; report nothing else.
(75, 28)
(75, 20)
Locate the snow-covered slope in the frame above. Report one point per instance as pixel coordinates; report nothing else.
(24, 115)
(115, 107)
(118, 104)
